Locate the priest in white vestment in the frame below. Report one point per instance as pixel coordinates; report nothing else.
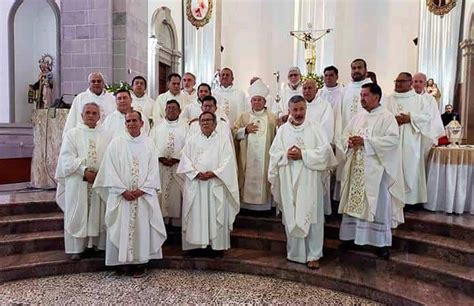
(211, 191)
(193, 109)
(332, 90)
(437, 127)
(95, 93)
(414, 120)
(129, 179)
(209, 104)
(231, 101)
(320, 111)
(79, 160)
(299, 154)
(173, 93)
(140, 100)
(294, 87)
(349, 107)
(254, 132)
(372, 197)
(169, 137)
(114, 124)
(188, 83)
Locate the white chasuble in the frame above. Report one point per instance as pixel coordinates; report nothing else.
(106, 102)
(209, 206)
(437, 127)
(159, 106)
(333, 95)
(288, 92)
(296, 184)
(366, 167)
(135, 229)
(297, 187)
(415, 138)
(143, 104)
(231, 102)
(169, 138)
(114, 125)
(321, 112)
(253, 158)
(84, 211)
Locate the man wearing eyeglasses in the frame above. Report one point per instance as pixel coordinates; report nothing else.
(294, 87)
(211, 191)
(96, 93)
(414, 121)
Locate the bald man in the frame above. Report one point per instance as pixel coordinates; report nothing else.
(95, 93)
(231, 100)
(437, 128)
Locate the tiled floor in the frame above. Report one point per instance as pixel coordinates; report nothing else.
(170, 287)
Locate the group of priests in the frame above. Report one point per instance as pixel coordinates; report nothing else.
(195, 156)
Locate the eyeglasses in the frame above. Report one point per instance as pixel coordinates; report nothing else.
(96, 81)
(293, 75)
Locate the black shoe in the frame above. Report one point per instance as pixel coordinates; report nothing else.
(76, 257)
(138, 271)
(346, 245)
(383, 252)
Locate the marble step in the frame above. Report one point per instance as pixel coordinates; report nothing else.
(31, 242)
(24, 208)
(412, 265)
(454, 250)
(449, 225)
(17, 224)
(384, 287)
(445, 248)
(45, 263)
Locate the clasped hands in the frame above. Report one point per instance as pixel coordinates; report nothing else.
(89, 176)
(168, 162)
(403, 118)
(132, 195)
(294, 153)
(355, 142)
(204, 176)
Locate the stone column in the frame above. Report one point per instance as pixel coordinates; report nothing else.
(86, 40)
(130, 39)
(467, 102)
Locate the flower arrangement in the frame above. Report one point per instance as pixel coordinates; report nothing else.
(114, 87)
(313, 76)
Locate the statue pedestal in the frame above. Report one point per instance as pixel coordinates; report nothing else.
(48, 125)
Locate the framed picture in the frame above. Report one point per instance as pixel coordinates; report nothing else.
(440, 7)
(199, 12)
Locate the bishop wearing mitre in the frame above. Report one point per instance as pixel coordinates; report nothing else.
(254, 131)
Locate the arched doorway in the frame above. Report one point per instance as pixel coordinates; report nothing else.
(33, 29)
(164, 50)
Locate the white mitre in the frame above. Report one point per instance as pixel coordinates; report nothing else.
(258, 88)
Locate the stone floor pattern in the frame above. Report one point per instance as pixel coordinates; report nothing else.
(170, 287)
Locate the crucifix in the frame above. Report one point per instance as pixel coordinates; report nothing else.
(309, 37)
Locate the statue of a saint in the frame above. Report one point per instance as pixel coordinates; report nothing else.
(309, 38)
(41, 92)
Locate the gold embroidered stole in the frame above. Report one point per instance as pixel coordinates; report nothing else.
(133, 209)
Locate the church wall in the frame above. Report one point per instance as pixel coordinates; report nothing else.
(468, 12)
(256, 40)
(382, 33)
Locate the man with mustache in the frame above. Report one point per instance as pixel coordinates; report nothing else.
(299, 154)
(372, 197)
(294, 87)
(414, 122)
